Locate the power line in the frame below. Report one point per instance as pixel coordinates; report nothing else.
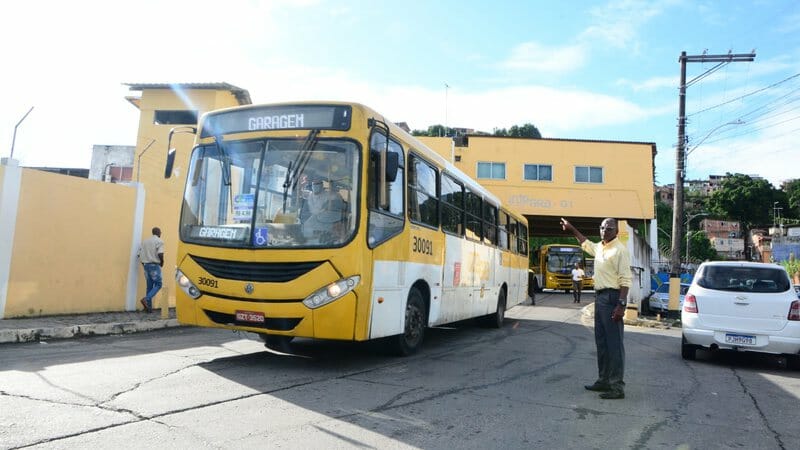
(744, 96)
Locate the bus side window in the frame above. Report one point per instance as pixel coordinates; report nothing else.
(387, 220)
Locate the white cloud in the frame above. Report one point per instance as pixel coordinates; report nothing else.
(618, 23)
(534, 57)
(651, 84)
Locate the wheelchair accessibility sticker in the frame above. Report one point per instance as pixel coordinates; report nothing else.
(260, 237)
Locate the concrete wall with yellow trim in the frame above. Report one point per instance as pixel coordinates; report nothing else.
(164, 196)
(626, 190)
(71, 246)
(71, 242)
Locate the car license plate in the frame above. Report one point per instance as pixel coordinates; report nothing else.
(250, 316)
(739, 339)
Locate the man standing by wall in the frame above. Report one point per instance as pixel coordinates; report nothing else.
(612, 279)
(151, 255)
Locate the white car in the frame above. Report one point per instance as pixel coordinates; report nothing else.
(742, 306)
(660, 298)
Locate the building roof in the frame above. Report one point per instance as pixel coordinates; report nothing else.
(242, 96)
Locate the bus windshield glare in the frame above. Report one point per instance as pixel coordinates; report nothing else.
(272, 193)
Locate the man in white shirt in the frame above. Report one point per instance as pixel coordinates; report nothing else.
(577, 282)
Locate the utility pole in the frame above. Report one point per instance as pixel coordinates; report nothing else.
(680, 159)
(680, 152)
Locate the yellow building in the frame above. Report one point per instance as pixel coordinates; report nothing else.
(545, 179)
(164, 106)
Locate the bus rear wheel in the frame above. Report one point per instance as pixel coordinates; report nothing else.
(410, 340)
(495, 320)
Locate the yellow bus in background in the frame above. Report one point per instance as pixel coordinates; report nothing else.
(325, 220)
(552, 266)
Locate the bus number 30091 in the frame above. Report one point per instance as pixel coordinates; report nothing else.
(203, 281)
(423, 246)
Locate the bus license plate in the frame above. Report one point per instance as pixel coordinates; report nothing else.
(250, 316)
(739, 339)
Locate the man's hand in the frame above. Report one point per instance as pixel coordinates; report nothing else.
(618, 313)
(565, 225)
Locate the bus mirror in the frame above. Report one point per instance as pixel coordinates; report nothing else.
(171, 151)
(170, 163)
(392, 166)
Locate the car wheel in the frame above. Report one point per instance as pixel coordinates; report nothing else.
(688, 351)
(410, 340)
(793, 362)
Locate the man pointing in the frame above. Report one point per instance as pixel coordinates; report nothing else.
(612, 279)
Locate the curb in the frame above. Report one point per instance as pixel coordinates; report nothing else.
(66, 332)
(588, 313)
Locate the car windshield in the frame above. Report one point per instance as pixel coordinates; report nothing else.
(744, 279)
(285, 193)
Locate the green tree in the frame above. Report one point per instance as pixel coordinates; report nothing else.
(792, 190)
(664, 218)
(700, 248)
(526, 130)
(744, 199)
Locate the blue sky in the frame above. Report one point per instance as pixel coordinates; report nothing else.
(583, 69)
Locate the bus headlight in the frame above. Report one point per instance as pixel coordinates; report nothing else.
(186, 284)
(331, 292)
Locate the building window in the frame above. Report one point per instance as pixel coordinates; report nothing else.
(493, 170)
(175, 118)
(588, 174)
(538, 172)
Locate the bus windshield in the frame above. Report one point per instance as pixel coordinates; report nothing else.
(563, 259)
(271, 193)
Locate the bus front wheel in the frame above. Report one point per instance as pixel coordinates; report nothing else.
(410, 340)
(278, 343)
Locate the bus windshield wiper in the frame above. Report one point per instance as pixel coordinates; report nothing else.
(296, 166)
(224, 160)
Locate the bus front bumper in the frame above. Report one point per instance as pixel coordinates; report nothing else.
(336, 320)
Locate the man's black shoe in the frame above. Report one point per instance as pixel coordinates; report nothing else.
(612, 395)
(598, 387)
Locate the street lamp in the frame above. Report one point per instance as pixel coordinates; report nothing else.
(694, 147)
(14, 138)
(688, 229)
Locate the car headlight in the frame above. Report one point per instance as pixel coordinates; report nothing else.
(331, 292)
(186, 284)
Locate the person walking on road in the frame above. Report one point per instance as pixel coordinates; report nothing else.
(612, 280)
(577, 283)
(151, 255)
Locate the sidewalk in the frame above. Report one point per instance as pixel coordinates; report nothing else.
(641, 321)
(76, 325)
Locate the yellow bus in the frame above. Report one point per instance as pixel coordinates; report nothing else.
(552, 266)
(327, 221)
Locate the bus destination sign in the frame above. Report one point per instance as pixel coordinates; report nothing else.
(285, 117)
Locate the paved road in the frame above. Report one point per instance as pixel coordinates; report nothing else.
(518, 387)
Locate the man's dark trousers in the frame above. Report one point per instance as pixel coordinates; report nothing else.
(608, 338)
